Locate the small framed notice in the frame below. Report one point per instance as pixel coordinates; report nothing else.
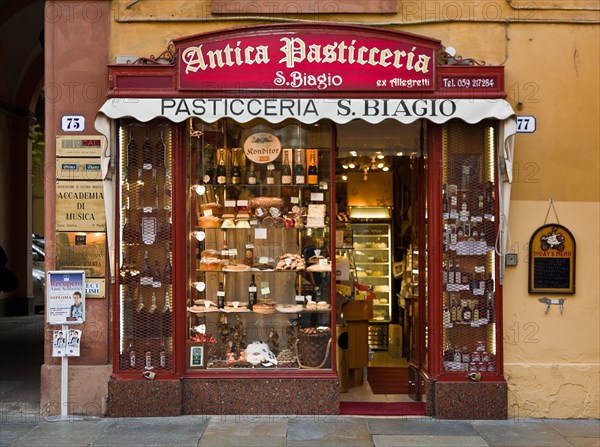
(552, 260)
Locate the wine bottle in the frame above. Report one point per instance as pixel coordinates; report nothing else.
(159, 152)
(467, 312)
(132, 152)
(270, 174)
(168, 273)
(162, 354)
(221, 168)
(236, 171)
(131, 352)
(286, 169)
(221, 297)
(154, 191)
(125, 193)
(148, 356)
(252, 293)
(313, 172)
(139, 184)
(147, 153)
(146, 274)
(299, 169)
(252, 180)
(166, 316)
(156, 276)
(167, 193)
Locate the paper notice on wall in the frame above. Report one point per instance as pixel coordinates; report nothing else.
(59, 343)
(73, 342)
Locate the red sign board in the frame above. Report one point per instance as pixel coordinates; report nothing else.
(319, 60)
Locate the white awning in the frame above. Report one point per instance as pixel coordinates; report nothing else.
(308, 111)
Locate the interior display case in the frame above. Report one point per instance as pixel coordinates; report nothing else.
(468, 251)
(259, 246)
(145, 298)
(372, 259)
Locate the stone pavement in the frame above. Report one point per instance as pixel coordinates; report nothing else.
(27, 430)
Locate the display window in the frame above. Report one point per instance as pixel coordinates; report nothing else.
(259, 255)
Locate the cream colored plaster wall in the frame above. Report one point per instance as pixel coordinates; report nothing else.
(552, 362)
(550, 53)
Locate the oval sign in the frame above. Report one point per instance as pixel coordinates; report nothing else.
(262, 147)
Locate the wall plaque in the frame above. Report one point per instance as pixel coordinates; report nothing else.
(80, 145)
(80, 206)
(552, 260)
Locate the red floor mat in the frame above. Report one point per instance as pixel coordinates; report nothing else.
(383, 408)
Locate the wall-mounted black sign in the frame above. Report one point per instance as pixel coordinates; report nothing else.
(552, 260)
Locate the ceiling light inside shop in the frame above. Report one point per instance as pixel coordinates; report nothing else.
(199, 189)
(199, 286)
(199, 235)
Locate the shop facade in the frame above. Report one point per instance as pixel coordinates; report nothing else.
(221, 181)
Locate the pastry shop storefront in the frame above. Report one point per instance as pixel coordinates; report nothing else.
(239, 180)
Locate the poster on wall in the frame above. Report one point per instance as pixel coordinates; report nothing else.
(552, 260)
(66, 297)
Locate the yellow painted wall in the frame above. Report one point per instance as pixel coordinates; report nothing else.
(550, 51)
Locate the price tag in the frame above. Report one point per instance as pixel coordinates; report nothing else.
(221, 293)
(263, 260)
(229, 203)
(317, 196)
(264, 288)
(242, 203)
(299, 299)
(294, 200)
(233, 252)
(260, 233)
(72, 123)
(208, 212)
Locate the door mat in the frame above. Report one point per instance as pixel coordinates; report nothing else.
(388, 380)
(383, 408)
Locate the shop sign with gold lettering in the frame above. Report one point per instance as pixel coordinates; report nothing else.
(68, 168)
(80, 206)
(81, 251)
(552, 260)
(79, 146)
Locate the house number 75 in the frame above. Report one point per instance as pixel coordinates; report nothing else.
(72, 123)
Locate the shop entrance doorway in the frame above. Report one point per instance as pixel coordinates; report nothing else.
(380, 178)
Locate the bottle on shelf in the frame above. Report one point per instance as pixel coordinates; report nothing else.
(249, 252)
(464, 208)
(168, 272)
(453, 309)
(139, 184)
(159, 152)
(299, 178)
(313, 172)
(252, 179)
(450, 273)
(131, 354)
(147, 152)
(467, 312)
(444, 201)
(162, 354)
(236, 171)
(457, 273)
(154, 203)
(167, 193)
(270, 174)
(166, 316)
(146, 274)
(252, 293)
(221, 168)
(148, 357)
(286, 169)
(132, 152)
(125, 192)
(221, 297)
(156, 276)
